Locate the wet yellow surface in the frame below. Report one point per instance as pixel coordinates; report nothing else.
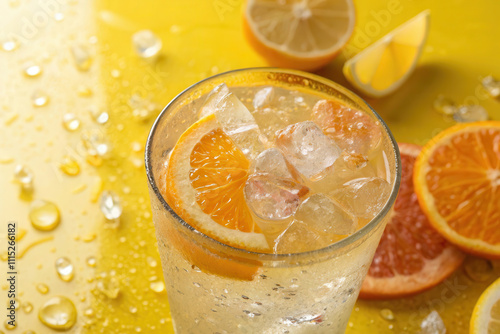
(122, 291)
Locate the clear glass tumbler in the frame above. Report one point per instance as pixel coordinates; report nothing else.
(216, 288)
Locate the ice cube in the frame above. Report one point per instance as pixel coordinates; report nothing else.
(299, 238)
(433, 324)
(363, 197)
(213, 98)
(273, 198)
(324, 216)
(307, 149)
(346, 168)
(470, 113)
(444, 105)
(273, 162)
(492, 86)
(263, 97)
(271, 119)
(239, 124)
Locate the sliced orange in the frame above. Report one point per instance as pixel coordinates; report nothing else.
(412, 256)
(486, 315)
(353, 130)
(205, 180)
(457, 181)
(304, 35)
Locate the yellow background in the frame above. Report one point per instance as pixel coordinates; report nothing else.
(200, 38)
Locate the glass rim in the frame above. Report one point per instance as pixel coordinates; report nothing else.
(351, 239)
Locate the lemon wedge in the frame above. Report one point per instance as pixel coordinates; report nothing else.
(383, 67)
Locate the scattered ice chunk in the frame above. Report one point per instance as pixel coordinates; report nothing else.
(263, 97)
(307, 149)
(470, 113)
(273, 162)
(433, 324)
(346, 168)
(213, 98)
(110, 205)
(299, 238)
(239, 124)
(273, 198)
(492, 86)
(81, 57)
(363, 197)
(146, 44)
(323, 215)
(444, 105)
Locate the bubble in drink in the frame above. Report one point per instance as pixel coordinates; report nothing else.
(213, 98)
(363, 197)
(307, 149)
(273, 162)
(470, 113)
(432, 324)
(146, 44)
(263, 97)
(273, 198)
(324, 216)
(239, 124)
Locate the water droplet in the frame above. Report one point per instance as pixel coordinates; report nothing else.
(142, 108)
(387, 314)
(132, 309)
(81, 57)
(470, 113)
(32, 70)
(91, 261)
(58, 313)
(42, 288)
(138, 329)
(89, 312)
(44, 215)
(24, 176)
(58, 17)
(95, 147)
(492, 86)
(84, 91)
(64, 269)
(158, 287)
(71, 122)
(69, 166)
(444, 105)
(98, 115)
(39, 98)
(27, 307)
(10, 44)
(8, 326)
(115, 73)
(109, 286)
(110, 206)
(151, 262)
(478, 270)
(29, 332)
(146, 44)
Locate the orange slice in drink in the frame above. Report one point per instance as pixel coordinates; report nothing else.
(304, 35)
(412, 256)
(353, 130)
(457, 181)
(205, 180)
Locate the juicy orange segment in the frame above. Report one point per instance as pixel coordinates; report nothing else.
(219, 172)
(457, 180)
